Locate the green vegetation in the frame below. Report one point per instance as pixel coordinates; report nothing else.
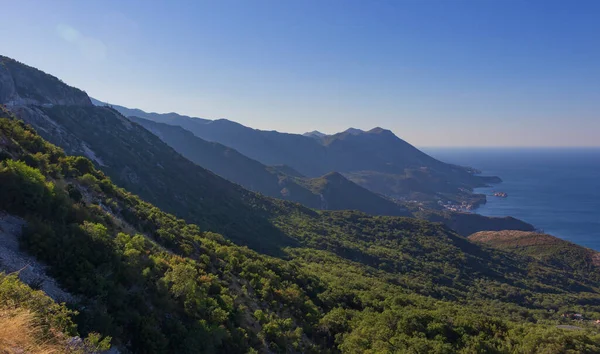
(352, 283)
(338, 193)
(466, 224)
(575, 259)
(183, 292)
(141, 163)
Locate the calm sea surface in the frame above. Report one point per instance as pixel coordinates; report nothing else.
(556, 190)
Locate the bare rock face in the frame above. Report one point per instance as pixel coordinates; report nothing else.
(29, 270)
(8, 91)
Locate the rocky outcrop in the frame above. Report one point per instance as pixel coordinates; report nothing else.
(48, 128)
(8, 92)
(13, 260)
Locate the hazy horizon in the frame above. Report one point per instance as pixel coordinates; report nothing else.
(460, 73)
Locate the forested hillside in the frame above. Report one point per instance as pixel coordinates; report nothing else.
(313, 281)
(354, 283)
(466, 224)
(151, 281)
(546, 248)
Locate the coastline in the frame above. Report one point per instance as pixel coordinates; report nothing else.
(531, 210)
(555, 189)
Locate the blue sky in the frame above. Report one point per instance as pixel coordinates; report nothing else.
(437, 73)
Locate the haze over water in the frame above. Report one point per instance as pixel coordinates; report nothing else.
(555, 189)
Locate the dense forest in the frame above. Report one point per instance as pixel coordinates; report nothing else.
(343, 282)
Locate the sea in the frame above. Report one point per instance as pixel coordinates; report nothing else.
(555, 189)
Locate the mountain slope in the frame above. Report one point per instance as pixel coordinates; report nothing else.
(466, 224)
(22, 84)
(151, 281)
(346, 281)
(338, 193)
(224, 161)
(158, 285)
(320, 193)
(139, 161)
(376, 159)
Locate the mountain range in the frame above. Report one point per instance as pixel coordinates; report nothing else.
(130, 155)
(331, 191)
(232, 270)
(376, 159)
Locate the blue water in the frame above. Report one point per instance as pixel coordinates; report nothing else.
(556, 190)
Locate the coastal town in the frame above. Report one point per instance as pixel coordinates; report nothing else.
(466, 206)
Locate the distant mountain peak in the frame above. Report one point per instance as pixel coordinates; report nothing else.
(315, 134)
(379, 130)
(334, 176)
(354, 131)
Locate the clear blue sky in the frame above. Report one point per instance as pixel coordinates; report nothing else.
(437, 73)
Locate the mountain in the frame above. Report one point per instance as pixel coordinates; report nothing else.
(331, 191)
(227, 162)
(141, 162)
(342, 281)
(259, 145)
(154, 284)
(376, 159)
(149, 281)
(23, 85)
(338, 193)
(314, 134)
(321, 193)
